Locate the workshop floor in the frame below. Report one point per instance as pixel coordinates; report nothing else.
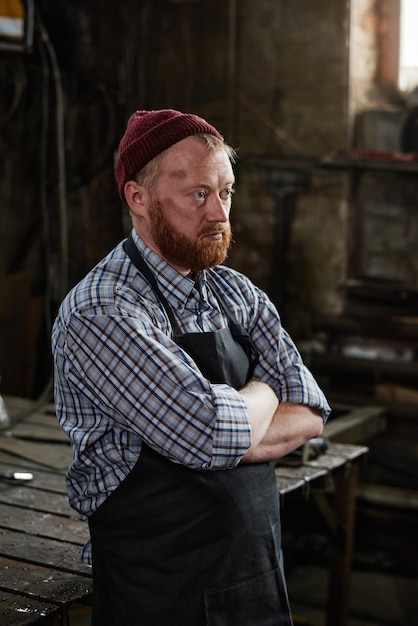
(384, 577)
(376, 599)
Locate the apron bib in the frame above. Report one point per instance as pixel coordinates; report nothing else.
(174, 546)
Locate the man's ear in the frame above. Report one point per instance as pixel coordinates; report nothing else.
(135, 196)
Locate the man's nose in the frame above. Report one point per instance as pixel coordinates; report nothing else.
(218, 209)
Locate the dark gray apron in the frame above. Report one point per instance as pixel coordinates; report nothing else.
(173, 546)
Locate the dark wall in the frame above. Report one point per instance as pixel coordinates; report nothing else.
(272, 75)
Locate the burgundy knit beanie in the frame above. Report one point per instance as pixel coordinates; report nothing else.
(150, 132)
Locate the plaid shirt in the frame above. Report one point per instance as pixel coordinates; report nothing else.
(120, 379)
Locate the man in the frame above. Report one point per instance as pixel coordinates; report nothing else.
(178, 387)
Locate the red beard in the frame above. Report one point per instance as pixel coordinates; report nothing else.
(180, 250)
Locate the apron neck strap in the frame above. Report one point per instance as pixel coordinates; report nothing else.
(141, 265)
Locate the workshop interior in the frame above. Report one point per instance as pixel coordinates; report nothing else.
(320, 100)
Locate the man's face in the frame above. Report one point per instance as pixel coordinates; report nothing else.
(188, 215)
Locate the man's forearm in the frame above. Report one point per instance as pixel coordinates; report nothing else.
(261, 404)
(292, 425)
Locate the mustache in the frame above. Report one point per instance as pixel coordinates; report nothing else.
(219, 227)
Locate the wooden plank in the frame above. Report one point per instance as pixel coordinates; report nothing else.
(36, 499)
(396, 329)
(348, 451)
(287, 484)
(397, 394)
(46, 417)
(358, 425)
(290, 478)
(18, 406)
(337, 456)
(26, 465)
(43, 584)
(396, 497)
(42, 479)
(39, 432)
(17, 610)
(307, 473)
(44, 454)
(378, 369)
(327, 461)
(45, 525)
(41, 551)
(41, 425)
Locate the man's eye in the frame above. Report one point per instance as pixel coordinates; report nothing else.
(228, 193)
(200, 195)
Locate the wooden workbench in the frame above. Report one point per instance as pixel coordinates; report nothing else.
(330, 481)
(41, 538)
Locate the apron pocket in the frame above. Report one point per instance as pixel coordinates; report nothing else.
(261, 601)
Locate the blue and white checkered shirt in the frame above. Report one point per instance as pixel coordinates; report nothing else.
(120, 379)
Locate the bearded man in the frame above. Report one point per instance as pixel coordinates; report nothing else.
(178, 388)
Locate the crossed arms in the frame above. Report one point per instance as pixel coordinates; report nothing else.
(277, 428)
